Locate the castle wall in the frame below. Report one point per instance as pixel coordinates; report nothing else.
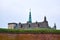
(25, 26)
(28, 25)
(34, 25)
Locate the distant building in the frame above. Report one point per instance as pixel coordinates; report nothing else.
(29, 24)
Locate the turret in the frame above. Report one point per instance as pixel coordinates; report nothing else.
(45, 19)
(54, 25)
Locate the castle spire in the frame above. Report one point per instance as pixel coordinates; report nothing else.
(30, 20)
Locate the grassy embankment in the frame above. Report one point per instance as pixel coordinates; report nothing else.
(37, 30)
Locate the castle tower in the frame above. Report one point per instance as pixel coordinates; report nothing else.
(45, 19)
(30, 19)
(12, 26)
(45, 22)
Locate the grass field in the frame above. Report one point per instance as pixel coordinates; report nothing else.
(30, 30)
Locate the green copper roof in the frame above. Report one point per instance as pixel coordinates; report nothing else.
(30, 20)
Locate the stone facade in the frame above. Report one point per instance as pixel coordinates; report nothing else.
(29, 24)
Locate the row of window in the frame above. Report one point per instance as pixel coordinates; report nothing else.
(29, 25)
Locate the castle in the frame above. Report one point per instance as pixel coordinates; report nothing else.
(29, 24)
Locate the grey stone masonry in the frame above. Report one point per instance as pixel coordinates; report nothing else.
(27, 25)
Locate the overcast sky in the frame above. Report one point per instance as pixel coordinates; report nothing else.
(18, 11)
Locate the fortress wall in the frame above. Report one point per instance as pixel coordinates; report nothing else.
(7, 36)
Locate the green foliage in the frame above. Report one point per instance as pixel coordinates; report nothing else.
(41, 30)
